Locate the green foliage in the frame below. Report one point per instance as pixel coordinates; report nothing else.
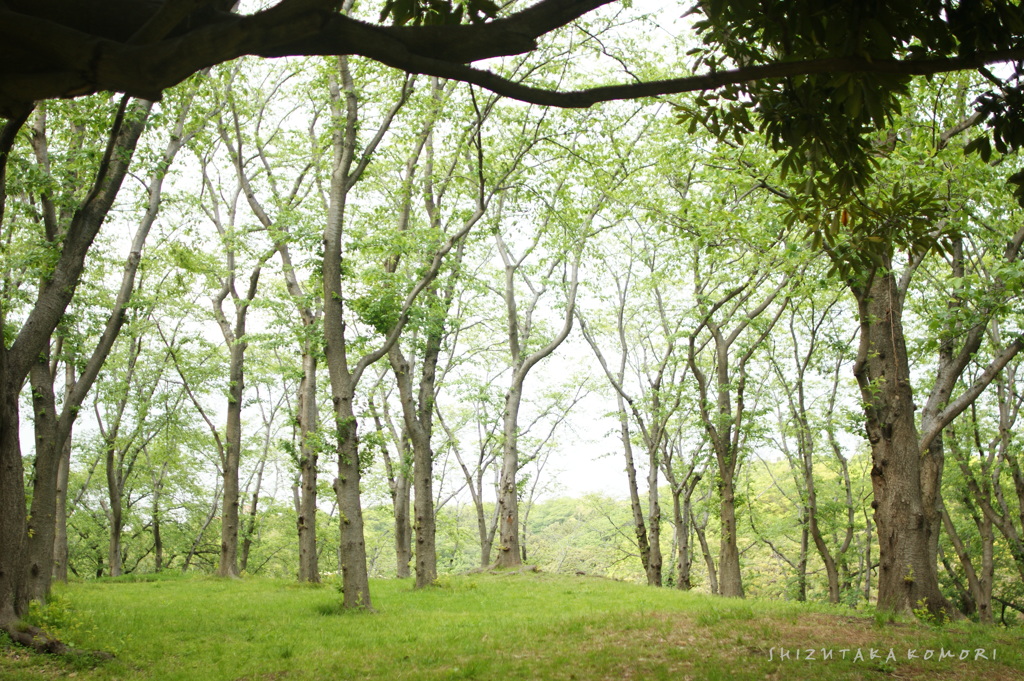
(438, 12)
(557, 627)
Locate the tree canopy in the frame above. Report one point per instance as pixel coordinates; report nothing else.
(68, 48)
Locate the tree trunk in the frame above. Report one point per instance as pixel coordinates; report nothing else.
(653, 517)
(403, 525)
(12, 500)
(908, 574)
(158, 544)
(423, 479)
(352, 547)
(42, 521)
(60, 541)
(730, 582)
(309, 570)
(115, 512)
(801, 563)
(639, 523)
(418, 414)
(681, 512)
(16, 360)
(709, 560)
(508, 491)
(831, 572)
(980, 590)
(228, 563)
(250, 528)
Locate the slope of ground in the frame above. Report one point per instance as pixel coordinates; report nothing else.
(505, 626)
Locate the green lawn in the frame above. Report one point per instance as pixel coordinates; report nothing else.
(516, 626)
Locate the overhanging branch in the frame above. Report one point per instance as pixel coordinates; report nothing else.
(43, 57)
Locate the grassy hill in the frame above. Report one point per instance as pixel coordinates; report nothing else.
(486, 626)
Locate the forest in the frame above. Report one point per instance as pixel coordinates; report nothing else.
(322, 319)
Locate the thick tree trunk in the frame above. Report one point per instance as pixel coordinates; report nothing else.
(42, 521)
(13, 528)
(908, 574)
(352, 547)
(730, 581)
(16, 361)
(424, 524)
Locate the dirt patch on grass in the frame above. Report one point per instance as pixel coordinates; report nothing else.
(746, 644)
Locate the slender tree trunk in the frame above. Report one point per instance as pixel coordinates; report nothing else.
(115, 512)
(228, 564)
(309, 570)
(158, 544)
(831, 571)
(199, 537)
(705, 550)
(980, 593)
(418, 414)
(653, 518)
(639, 524)
(250, 528)
(801, 563)
(60, 541)
(508, 491)
(682, 512)
(403, 525)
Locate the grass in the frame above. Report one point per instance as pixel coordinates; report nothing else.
(523, 626)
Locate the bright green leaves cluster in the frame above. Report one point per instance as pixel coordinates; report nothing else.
(861, 236)
(381, 305)
(821, 121)
(438, 12)
(1005, 113)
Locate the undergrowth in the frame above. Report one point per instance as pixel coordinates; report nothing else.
(507, 627)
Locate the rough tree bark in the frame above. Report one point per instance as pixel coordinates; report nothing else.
(908, 576)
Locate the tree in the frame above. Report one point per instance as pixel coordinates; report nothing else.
(142, 48)
(22, 347)
(222, 210)
(814, 339)
(878, 237)
(47, 532)
(648, 336)
(276, 174)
